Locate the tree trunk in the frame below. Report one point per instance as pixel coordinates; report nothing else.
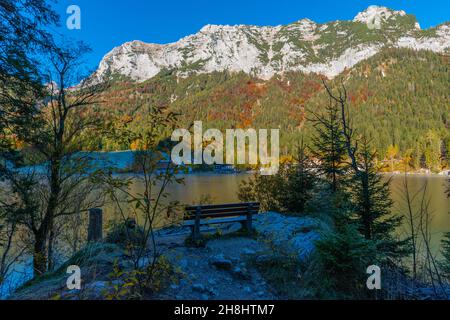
(39, 255)
(48, 222)
(50, 249)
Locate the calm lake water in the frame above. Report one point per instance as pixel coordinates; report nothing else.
(224, 188)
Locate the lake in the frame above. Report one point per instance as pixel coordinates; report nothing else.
(223, 188)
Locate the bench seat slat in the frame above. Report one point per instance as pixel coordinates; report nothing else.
(218, 215)
(219, 206)
(212, 211)
(222, 213)
(206, 211)
(215, 221)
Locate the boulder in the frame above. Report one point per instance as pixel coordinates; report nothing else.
(199, 288)
(294, 234)
(220, 262)
(241, 273)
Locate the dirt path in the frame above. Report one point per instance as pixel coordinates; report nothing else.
(220, 270)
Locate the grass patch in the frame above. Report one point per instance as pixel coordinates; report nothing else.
(283, 273)
(92, 254)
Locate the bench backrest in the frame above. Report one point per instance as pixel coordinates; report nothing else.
(222, 210)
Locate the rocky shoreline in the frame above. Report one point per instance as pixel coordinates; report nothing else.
(219, 270)
(224, 268)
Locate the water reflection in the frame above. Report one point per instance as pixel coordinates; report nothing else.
(224, 189)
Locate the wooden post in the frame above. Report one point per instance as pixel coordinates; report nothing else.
(249, 217)
(130, 223)
(196, 233)
(95, 229)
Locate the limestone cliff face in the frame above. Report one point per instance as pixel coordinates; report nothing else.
(304, 45)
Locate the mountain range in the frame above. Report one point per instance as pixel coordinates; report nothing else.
(395, 73)
(327, 49)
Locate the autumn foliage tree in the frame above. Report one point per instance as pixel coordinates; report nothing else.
(22, 36)
(63, 188)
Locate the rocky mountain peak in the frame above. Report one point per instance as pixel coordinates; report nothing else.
(327, 48)
(376, 13)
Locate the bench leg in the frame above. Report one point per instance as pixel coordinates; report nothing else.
(192, 231)
(247, 224)
(196, 230)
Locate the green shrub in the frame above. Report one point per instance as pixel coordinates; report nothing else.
(283, 273)
(288, 191)
(125, 235)
(341, 261)
(445, 263)
(142, 283)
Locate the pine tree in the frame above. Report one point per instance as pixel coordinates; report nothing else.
(369, 194)
(329, 145)
(372, 203)
(344, 256)
(300, 182)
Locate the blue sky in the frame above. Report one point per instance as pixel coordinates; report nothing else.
(109, 23)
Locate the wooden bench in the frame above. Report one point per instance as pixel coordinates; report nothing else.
(197, 216)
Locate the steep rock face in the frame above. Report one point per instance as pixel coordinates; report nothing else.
(306, 46)
(440, 42)
(376, 14)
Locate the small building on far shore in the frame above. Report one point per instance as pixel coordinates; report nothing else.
(424, 171)
(224, 168)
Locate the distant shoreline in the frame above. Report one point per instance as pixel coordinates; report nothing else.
(415, 174)
(121, 162)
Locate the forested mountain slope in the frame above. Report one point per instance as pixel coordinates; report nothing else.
(398, 97)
